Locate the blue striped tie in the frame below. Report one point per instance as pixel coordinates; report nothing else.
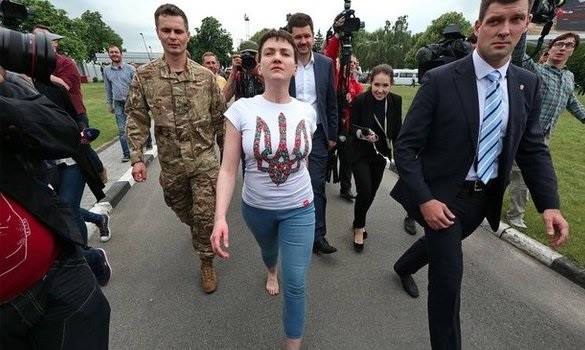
(491, 126)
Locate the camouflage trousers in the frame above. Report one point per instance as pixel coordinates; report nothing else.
(192, 198)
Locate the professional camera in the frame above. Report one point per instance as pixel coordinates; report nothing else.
(352, 23)
(31, 54)
(544, 11)
(248, 60)
(452, 47)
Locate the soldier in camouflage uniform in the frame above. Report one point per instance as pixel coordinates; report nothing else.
(187, 107)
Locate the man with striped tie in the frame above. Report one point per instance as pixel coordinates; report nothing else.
(468, 122)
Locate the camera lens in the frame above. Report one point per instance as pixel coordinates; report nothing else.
(30, 54)
(248, 60)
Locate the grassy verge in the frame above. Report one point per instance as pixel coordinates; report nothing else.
(97, 111)
(569, 161)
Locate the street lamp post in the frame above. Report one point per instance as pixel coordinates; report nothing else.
(146, 47)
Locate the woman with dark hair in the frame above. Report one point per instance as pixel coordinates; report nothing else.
(274, 131)
(376, 118)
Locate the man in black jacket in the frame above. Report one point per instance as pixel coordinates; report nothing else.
(467, 123)
(48, 294)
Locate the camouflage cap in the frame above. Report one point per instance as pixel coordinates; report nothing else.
(248, 45)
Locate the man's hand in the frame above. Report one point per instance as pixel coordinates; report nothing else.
(220, 235)
(139, 172)
(59, 81)
(331, 144)
(437, 215)
(557, 227)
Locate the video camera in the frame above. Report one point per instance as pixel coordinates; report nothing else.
(452, 47)
(31, 54)
(352, 23)
(544, 11)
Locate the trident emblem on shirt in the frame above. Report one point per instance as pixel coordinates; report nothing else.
(282, 163)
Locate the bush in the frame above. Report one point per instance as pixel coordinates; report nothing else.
(95, 79)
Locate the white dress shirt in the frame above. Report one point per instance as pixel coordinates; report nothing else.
(305, 83)
(482, 69)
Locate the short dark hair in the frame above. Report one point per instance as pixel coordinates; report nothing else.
(299, 20)
(114, 45)
(281, 35)
(170, 10)
(382, 68)
(565, 36)
(207, 54)
(486, 3)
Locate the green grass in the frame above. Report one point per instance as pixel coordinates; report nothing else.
(94, 99)
(569, 161)
(566, 148)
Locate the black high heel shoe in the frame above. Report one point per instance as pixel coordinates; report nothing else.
(358, 247)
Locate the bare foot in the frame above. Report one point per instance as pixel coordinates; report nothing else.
(272, 283)
(358, 235)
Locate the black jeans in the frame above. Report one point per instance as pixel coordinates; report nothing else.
(368, 174)
(442, 251)
(344, 167)
(65, 310)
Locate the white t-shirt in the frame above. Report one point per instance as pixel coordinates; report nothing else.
(276, 139)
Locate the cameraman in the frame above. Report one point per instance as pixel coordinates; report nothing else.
(558, 93)
(244, 79)
(46, 285)
(352, 89)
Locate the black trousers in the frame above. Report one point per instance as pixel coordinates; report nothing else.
(344, 167)
(442, 251)
(368, 173)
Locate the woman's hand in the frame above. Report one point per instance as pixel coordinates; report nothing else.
(220, 234)
(372, 137)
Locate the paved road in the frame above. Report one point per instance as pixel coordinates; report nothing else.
(509, 300)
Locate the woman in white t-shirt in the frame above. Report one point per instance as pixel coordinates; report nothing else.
(274, 131)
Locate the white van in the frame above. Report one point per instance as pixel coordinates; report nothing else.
(405, 76)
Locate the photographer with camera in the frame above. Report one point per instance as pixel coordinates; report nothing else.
(347, 85)
(558, 94)
(244, 79)
(46, 285)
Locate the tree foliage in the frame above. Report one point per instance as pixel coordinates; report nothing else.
(210, 36)
(256, 37)
(384, 45)
(319, 40)
(433, 33)
(96, 34)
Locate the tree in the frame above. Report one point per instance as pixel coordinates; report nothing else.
(318, 47)
(256, 37)
(433, 33)
(43, 12)
(384, 45)
(96, 35)
(210, 36)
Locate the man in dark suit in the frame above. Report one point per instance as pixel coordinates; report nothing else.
(468, 122)
(314, 84)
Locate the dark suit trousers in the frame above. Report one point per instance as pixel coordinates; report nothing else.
(442, 251)
(344, 167)
(318, 170)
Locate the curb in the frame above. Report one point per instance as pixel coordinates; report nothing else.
(542, 253)
(116, 192)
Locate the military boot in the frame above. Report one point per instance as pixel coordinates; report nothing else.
(208, 277)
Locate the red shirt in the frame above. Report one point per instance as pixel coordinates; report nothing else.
(66, 69)
(27, 249)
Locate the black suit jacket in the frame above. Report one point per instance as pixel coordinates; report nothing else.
(362, 114)
(438, 141)
(326, 98)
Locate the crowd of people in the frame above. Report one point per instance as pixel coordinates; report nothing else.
(474, 126)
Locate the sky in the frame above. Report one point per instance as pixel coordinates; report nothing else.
(129, 18)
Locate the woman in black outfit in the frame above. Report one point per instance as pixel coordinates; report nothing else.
(376, 120)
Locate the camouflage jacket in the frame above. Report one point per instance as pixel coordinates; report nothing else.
(188, 114)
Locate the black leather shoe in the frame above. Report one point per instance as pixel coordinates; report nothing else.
(409, 285)
(347, 195)
(410, 226)
(322, 246)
